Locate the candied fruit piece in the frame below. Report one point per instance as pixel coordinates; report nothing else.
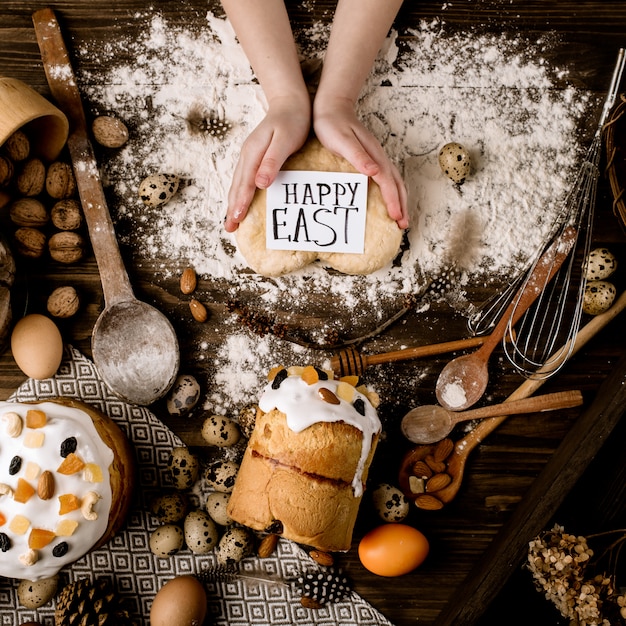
(93, 473)
(32, 470)
(351, 380)
(295, 370)
(272, 373)
(35, 418)
(34, 439)
(39, 538)
(71, 464)
(345, 392)
(310, 375)
(66, 527)
(68, 502)
(3, 519)
(19, 524)
(24, 491)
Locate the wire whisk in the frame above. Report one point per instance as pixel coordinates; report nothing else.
(555, 317)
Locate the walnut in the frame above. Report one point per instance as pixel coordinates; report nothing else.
(31, 178)
(28, 212)
(6, 171)
(67, 214)
(30, 242)
(63, 302)
(17, 146)
(66, 247)
(109, 131)
(60, 181)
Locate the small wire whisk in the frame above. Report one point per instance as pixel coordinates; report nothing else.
(555, 317)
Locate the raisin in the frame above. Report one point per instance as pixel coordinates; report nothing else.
(15, 465)
(275, 528)
(5, 542)
(60, 549)
(278, 379)
(359, 406)
(68, 446)
(321, 373)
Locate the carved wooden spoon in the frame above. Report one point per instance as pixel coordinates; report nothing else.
(431, 423)
(463, 380)
(455, 462)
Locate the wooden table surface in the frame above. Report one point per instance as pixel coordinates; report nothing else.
(505, 467)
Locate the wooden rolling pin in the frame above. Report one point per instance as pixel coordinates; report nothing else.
(350, 362)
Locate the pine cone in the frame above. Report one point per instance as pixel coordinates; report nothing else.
(84, 603)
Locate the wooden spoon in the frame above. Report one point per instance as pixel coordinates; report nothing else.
(463, 380)
(134, 345)
(455, 463)
(431, 423)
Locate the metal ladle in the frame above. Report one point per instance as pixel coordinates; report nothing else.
(134, 345)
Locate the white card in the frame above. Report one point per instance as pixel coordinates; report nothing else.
(317, 211)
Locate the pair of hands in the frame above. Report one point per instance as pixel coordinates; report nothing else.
(284, 130)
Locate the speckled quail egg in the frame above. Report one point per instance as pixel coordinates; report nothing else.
(220, 431)
(236, 543)
(184, 467)
(599, 296)
(183, 396)
(170, 507)
(157, 189)
(600, 264)
(246, 420)
(166, 540)
(34, 594)
(390, 503)
(455, 162)
(216, 505)
(200, 531)
(221, 475)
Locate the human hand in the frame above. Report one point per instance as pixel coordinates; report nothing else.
(340, 131)
(282, 132)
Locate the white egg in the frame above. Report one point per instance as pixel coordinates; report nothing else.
(157, 189)
(455, 162)
(599, 296)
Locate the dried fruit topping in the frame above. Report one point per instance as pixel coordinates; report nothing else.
(278, 379)
(310, 375)
(60, 549)
(328, 396)
(71, 464)
(68, 502)
(345, 392)
(276, 527)
(5, 542)
(39, 538)
(15, 465)
(68, 446)
(35, 418)
(359, 406)
(24, 491)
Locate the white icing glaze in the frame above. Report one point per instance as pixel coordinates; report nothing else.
(303, 407)
(62, 422)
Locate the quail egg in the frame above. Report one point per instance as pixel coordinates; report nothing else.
(455, 162)
(170, 507)
(183, 396)
(166, 540)
(184, 467)
(598, 297)
(221, 475)
(34, 594)
(220, 431)
(236, 543)
(600, 264)
(157, 189)
(390, 503)
(216, 505)
(200, 532)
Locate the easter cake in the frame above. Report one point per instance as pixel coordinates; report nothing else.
(66, 481)
(305, 467)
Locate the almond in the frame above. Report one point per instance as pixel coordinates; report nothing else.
(421, 469)
(310, 603)
(198, 310)
(436, 466)
(438, 481)
(188, 281)
(45, 485)
(328, 396)
(323, 558)
(443, 450)
(267, 545)
(428, 503)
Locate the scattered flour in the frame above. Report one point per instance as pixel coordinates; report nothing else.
(498, 97)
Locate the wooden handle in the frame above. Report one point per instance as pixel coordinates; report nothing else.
(56, 62)
(534, 404)
(542, 273)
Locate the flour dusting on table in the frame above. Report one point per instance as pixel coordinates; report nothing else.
(499, 98)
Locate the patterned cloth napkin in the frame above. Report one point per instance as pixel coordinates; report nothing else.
(127, 562)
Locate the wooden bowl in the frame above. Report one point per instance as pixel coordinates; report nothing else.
(21, 107)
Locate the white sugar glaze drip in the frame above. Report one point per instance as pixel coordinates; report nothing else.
(62, 422)
(303, 406)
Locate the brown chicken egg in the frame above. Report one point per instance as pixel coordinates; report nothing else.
(181, 601)
(37, 346)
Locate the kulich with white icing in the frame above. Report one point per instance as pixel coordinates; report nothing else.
(306, 462)
(56, 487)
